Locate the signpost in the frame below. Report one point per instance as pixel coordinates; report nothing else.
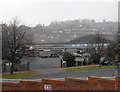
(79, 59)
(47, 87)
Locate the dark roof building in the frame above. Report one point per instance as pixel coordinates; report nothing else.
(88, 39)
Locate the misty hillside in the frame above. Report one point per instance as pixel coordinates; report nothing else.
(64, 31)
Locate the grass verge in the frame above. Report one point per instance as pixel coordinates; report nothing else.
(18, 75)
(89, 68)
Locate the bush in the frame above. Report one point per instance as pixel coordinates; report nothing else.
(70, 58)
(95, 58)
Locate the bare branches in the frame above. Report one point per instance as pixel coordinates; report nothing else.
(98, 46)
(14, 37)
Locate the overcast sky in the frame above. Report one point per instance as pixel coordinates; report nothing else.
(32, 12)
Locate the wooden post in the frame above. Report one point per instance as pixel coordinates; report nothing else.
(61, 63)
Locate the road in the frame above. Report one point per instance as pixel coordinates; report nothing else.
(50, 68)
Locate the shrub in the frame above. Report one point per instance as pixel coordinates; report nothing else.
(70, 58)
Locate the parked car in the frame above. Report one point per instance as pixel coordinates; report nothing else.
(54, 55)
(116, 61)
(107, 62)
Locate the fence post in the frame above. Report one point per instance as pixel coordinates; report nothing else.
(61, 63)
(28, 65)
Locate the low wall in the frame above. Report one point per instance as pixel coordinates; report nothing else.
(93, 83)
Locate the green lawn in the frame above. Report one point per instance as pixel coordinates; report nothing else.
(89, 68)
(18, 75)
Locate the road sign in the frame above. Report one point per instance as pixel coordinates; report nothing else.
(47, 87)
(79, 59)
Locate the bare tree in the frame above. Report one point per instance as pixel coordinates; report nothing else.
(118, 43)
(98, 46)
(13, 41)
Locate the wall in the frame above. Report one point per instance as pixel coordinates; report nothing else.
(93, 83)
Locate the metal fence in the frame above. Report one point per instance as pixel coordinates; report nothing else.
(17, 67)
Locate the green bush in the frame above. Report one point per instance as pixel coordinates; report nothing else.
(70, 58)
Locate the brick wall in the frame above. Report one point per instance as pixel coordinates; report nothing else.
(10, 86)
(118, 83)
(76, 84)
(93, 83)
(101, 83)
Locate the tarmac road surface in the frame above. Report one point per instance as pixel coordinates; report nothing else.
(50, 68)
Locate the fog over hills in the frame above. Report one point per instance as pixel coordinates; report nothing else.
(64, 31)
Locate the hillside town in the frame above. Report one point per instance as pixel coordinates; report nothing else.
(71, 53)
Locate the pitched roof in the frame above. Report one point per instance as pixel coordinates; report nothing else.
(89, 39)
